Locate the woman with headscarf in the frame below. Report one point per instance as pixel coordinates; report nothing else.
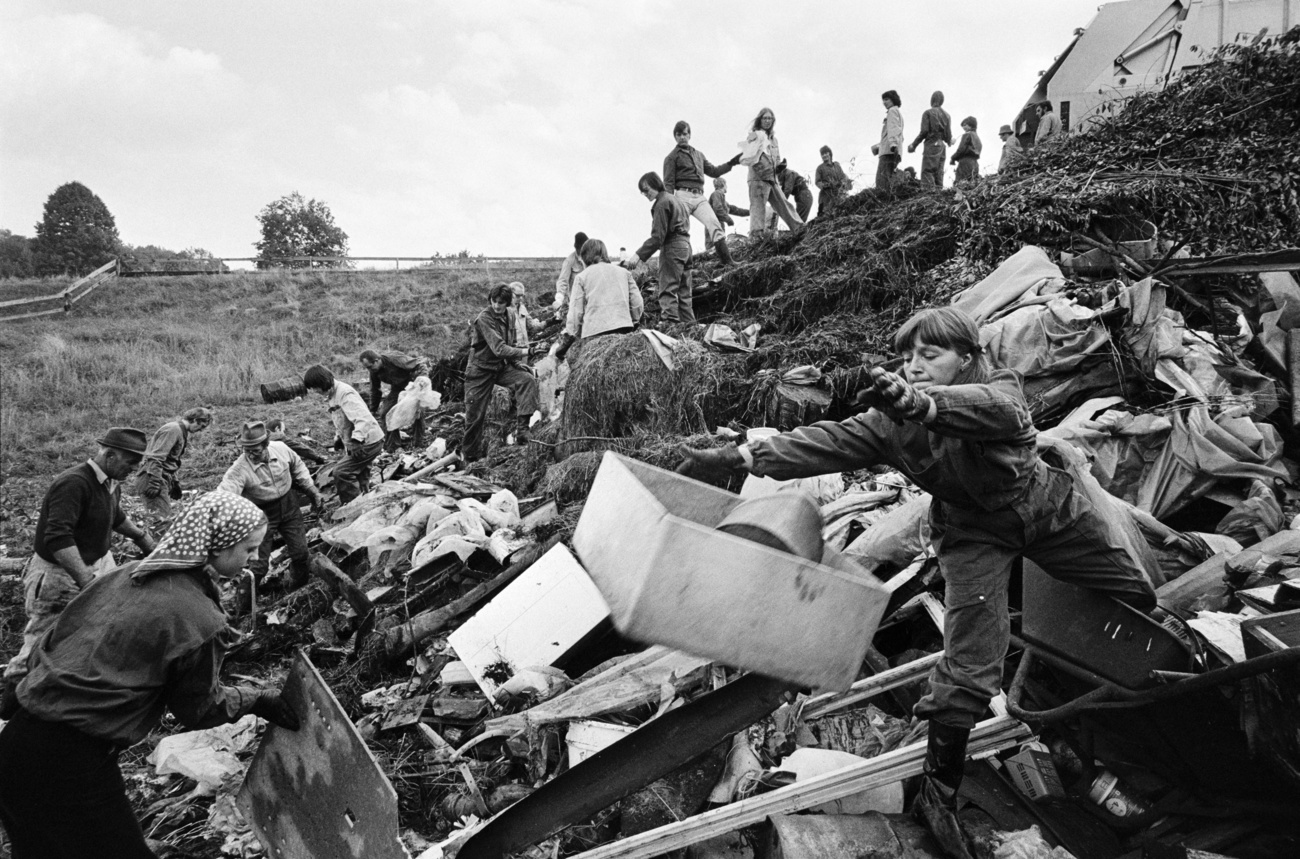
(156, 482)
(760, 152)
(146, 637)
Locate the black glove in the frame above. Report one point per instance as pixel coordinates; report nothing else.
(903, 402)
(153, 487)
(272, 707)
(175, 491)
(735, 159)
(705, 463)
(566, 341)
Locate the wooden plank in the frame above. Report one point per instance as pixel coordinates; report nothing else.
(318, 792)
(869, 687)
(990, 735)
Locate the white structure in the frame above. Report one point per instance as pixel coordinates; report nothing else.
(1140, 45)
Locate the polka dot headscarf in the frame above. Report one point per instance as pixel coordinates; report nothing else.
(216, 521)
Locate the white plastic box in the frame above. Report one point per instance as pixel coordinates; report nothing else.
(647, 539)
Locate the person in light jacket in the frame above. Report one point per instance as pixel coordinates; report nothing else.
(605, 300)
(890, 147)
(1012, 152)
(568, 271)
(156, 481)
(761, 153)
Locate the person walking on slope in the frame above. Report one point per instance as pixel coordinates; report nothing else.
(967, 154)
(760, 152)
(962, 432)
(568, 271)
(156, 481)
(605, 300)
(670, 234)
(936, 132)
(684, 172)
(271, 475)
(833, 185)
(496, 359)
(1049, 125)
(1012, 152)
(890, 147)
(143, 639)
(355, 430)
(721, 208)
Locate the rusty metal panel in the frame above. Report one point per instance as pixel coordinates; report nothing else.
(318, 793)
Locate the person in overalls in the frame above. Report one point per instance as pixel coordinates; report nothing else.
(963, 433)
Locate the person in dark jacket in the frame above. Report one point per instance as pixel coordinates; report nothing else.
(936, 132)
(156, 481)
(143, 639)
(684, 172)
(795, 185)
(670, 234)
(963, 433)
(495, 359)
(832, 183)
(79, 514)
(280, 432)
(967, 154)
(721, 208)
(397, 370)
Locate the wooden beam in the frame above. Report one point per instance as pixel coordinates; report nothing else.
(989, 736)
(869, 687)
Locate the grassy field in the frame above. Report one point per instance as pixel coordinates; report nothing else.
(140, 351)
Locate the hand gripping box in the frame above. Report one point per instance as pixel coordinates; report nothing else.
(647, 539)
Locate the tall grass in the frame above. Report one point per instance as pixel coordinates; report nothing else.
(140, 351)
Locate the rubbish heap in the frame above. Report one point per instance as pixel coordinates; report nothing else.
(503, 648)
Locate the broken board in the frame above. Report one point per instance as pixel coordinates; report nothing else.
(318, 792)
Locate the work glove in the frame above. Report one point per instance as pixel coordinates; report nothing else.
(154, 486)
(735, 159)
(565, 343)
(706, 463)
(271, 706)
(318, 506)
(338, 444)
(174, 491)
(902, 401)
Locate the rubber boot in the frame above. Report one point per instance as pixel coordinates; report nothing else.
(936, 803)
(521, 429)
(299, 573)
(724, 253)
(392, 441)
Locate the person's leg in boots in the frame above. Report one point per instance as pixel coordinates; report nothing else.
(781, 206)
(758, 190)
(885, 172)
(478, 395)
(354, 469)
(293, 531)
(522, 385)
(674, 256)
(976, 632)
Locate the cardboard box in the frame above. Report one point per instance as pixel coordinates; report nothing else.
(1031, 769)
(647, 538)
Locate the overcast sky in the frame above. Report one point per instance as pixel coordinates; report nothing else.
(497, 126)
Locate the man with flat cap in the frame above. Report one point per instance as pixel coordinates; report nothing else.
(268, 473)
(74, 531)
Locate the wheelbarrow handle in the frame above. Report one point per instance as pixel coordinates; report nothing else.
(1111, 697)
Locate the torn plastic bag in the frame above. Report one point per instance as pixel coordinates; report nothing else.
(461, 533)
(415, 398)
(896, 538)
(207, 756)
(725, 339)
(354, 534)
(1259, 516)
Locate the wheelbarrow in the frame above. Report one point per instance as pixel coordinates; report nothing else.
(1131, 659)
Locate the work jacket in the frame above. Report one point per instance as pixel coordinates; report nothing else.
(492, 343)
(891, 132)
(397, 369)
(979, 453)
(167, 447)
(686, 167)
(669, 220)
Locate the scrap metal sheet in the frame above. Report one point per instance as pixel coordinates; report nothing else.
(318, 793)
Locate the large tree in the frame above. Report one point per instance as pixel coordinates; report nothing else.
(77, 233)
(15, 255)
(292, 226)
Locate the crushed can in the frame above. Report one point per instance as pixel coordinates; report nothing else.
(1117, 798)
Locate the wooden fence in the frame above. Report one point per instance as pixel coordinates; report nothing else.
(59, 302)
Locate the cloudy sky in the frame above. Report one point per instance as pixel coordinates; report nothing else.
(497, 126)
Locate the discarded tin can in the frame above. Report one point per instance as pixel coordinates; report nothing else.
(1117, 798)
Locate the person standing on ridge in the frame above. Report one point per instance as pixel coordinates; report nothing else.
(684, 172)
(760, 152)
(936, 132)
(967, 154)
(890, 147)
(1012, 152)
(670, 234)
(721, 208)
(1049, 124)
(833, 185)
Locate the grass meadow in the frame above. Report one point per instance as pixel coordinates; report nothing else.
(139, 351)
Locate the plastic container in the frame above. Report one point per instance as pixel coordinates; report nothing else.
(585, 738)
(1116, 797)
(283, 389)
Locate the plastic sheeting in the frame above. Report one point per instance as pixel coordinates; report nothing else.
(415, 399)
(1026, 274)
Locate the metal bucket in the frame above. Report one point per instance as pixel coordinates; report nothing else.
(283, 389)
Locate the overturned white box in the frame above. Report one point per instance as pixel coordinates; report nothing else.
(647, 539)
(536, 620)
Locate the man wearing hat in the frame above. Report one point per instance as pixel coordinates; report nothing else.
(267, 473)
(80, 511)
(1012, 152)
